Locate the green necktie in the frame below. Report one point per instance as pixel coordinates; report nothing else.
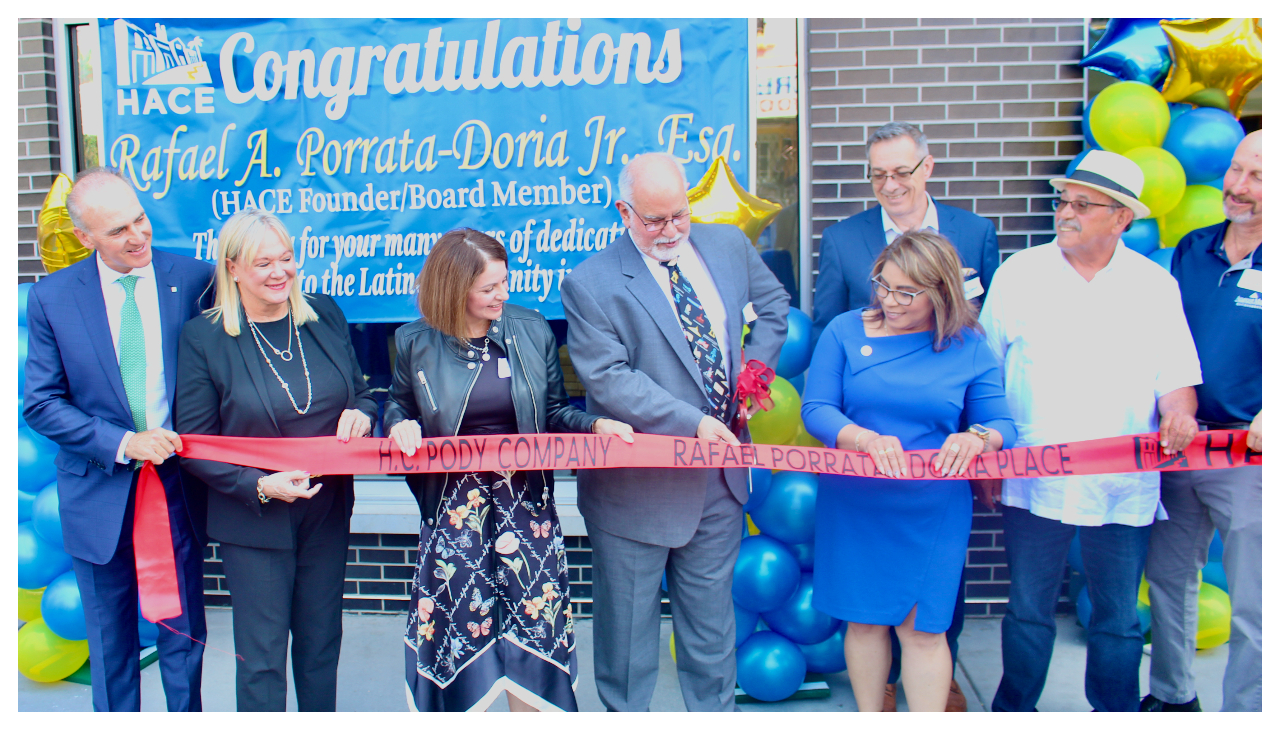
(133, 355)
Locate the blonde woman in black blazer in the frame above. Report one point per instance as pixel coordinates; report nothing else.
(268, 361)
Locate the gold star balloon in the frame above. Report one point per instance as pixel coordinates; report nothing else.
(718, 198)
(1216, 61)
(59, 247)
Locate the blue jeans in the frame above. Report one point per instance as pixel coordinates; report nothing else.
(1114, 557)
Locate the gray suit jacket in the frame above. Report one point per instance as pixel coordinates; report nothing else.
(631, 355)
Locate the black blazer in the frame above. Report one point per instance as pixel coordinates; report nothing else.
(222, 390)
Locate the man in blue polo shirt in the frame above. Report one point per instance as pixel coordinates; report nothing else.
(1219, 270)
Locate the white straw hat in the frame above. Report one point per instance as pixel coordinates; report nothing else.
(1111, 174)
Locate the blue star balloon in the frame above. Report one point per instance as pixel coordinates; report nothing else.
(1131, 49)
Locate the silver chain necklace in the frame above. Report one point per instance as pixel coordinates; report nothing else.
(287, 355)
(293, 331)
(484, 353)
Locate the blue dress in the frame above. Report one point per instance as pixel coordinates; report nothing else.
(885, 545)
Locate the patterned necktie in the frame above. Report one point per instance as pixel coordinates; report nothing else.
(702, 341)
(133, 356)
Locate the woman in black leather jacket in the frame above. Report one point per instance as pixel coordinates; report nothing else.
(491, 589)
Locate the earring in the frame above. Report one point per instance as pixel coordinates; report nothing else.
(235, 278)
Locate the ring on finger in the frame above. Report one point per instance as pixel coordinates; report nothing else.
(955, 446)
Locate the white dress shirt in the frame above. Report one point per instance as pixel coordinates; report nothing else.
(148, 301)
(892, 231)
(1087, 360)
(693, 268)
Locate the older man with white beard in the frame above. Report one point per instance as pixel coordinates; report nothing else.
(1219, 269)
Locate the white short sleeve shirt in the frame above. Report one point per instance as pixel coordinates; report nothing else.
(1086, 360)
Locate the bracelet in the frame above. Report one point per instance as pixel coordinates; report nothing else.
(857, 439)
(263, 498)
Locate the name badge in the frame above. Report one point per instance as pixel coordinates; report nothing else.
(1251, 279)
(973, 288)
(504, 368)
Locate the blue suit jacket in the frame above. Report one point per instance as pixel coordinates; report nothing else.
(75, 396)
(850, 247)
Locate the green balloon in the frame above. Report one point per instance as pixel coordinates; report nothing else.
(1128, 115)
(1214, 626)
(779, 425)
(46, 657)
(1201, 206)
(1163, 180)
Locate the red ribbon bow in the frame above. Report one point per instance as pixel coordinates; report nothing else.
(753, 382)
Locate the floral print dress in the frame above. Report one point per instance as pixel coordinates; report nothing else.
(490, 596)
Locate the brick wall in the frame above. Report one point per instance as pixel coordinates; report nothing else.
(1000, 101)
(38, 150)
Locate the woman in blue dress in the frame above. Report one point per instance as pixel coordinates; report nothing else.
(911, 371)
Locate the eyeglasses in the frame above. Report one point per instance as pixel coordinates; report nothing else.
(1081, 205)
(653, 226)
(879, 178)
(904, 298)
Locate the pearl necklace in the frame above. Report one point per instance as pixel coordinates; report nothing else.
(306, 372)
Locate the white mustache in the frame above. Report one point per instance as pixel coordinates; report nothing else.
(1070, 225)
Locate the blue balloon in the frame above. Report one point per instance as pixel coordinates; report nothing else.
(761, 480)
(26, 502)
(1204, 141)
(1143, 236)
(765, 575)
(1177, 109)
(1084, 607)
(44, 516)
(770, 667)
(22, 303)
(21, 421)
(1216, 183)
(798, 620)
(22, 359)
(1075, 558)
(1215, 548)
(39, 562)
(1215, 575)
(827, 656)
(35, 461)
(62, 609)
(798, 346)
(1085, 129)
(798, 382)
(804, 555)
(744, 623)
(1075, 161)
(1131, 49)
(788, 511)
(1162, 256)
(147, 633)
(664, 581)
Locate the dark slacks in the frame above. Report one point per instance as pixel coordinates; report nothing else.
(627, 585)
(109, 593)
(1114, 556)
(276, 593)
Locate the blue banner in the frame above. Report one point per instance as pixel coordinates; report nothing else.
(371, 138)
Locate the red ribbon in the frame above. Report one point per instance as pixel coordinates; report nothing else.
(153, 549)
(753, 382)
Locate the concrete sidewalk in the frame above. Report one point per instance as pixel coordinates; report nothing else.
(371, 673)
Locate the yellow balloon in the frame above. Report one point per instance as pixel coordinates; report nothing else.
(59, 247)
(46, 657)
(29, 603)
(804, 438)
(1128, 115)
(673, 647)
(751, 527)
(1201, 206)
(778, 426)
(718, 198)
(1215, 62)
(1214, 627)
(1163, 180)
(1144, 591)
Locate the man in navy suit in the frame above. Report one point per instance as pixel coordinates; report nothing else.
(100, 381)
(899, 165)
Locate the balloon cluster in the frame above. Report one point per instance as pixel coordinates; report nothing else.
(1183, 151)
(1214, 605)
(52, 642)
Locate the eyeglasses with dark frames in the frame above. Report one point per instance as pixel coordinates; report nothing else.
(882, 291)
(653, 226)
(879, 178)
(1082, 206)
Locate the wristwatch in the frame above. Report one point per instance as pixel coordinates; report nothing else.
(981, 432)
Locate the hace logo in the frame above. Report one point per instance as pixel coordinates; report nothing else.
(154, 59)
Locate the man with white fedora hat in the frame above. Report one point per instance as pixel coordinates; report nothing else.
(1093, 343)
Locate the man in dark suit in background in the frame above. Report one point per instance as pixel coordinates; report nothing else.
(100, 381)
(899, 164)
(655, 334)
